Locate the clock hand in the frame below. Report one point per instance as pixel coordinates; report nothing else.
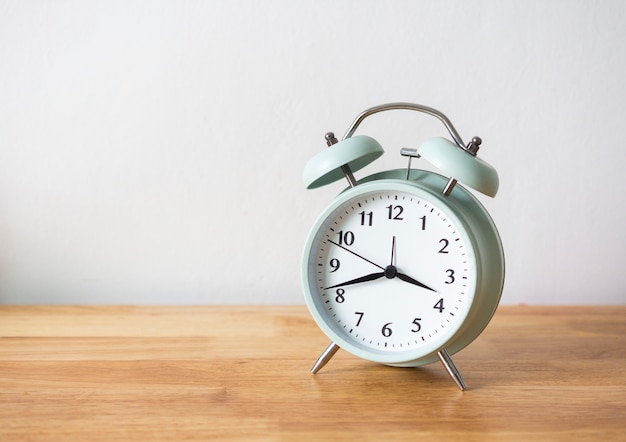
(392, 272)
(356, 254)
(410, 280)
(370, 277)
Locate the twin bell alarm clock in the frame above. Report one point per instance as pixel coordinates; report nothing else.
(405, 267)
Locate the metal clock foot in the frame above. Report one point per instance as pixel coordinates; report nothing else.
(324, 357)
(454, 372)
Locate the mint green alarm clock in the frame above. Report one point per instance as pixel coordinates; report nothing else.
(405, 267)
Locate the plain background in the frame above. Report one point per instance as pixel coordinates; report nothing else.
(151, 152)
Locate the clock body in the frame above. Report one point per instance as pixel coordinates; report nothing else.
(393, 271)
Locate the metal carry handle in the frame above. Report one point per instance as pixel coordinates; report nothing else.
(407, 106)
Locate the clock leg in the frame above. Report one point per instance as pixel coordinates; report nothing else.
(454, 372)
(324, 357)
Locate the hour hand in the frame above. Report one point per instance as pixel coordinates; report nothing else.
(366, 278)
(410, 280)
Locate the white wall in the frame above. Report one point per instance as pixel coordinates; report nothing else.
(151, 152)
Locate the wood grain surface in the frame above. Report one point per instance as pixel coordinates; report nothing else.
(242, 373)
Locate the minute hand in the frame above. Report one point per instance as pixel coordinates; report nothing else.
(356, 254)
(370, 277)
(410, 280)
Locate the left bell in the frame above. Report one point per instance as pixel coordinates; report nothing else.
(327, 166)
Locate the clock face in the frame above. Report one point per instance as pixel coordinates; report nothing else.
(391, 270)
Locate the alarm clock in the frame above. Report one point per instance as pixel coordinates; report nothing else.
(405, 267)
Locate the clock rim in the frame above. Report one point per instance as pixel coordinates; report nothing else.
(427, 183)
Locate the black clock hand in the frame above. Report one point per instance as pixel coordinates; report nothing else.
(391, 271)
(370, 277)
(410, 280)
(356, 254)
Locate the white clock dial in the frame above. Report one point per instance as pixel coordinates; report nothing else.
(392, 271)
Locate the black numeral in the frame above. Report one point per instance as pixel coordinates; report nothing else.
(346, 238)
(450, 273)
(418, 326)
(360, 315)
(366, 218)
(439, 306)
(386, 331)
(340, 298)
(395, 212)
(445, 243)
(423, 218)
(334, 264)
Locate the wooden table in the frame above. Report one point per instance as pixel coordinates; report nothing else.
(242, 372)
